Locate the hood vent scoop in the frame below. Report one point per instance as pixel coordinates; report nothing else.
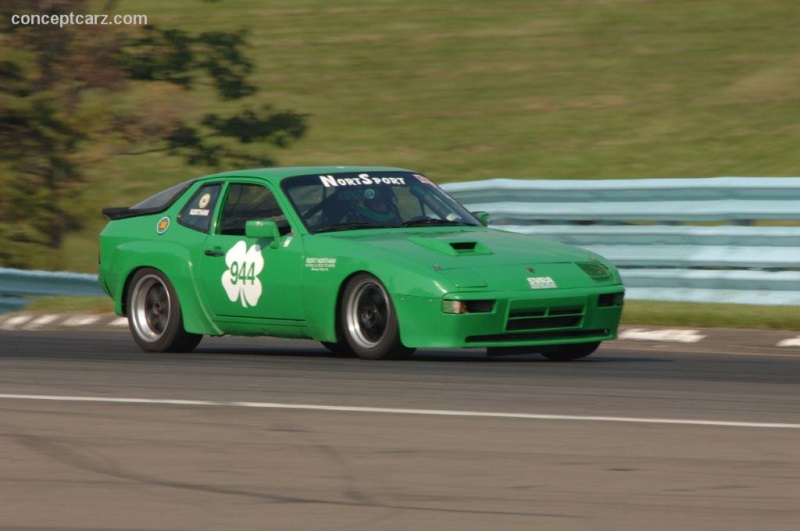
(463, 247)
(453, 248)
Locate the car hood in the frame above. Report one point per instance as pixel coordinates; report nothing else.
(464, 247)
(488, 259)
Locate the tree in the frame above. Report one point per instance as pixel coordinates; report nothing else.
(48, 77)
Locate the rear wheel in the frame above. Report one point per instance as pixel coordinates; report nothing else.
(154, 314)
(369, 322)
(571, 352)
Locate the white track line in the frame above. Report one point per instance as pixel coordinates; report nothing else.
(16, 320)
(81, 320)
(42, 320)
(399, 411)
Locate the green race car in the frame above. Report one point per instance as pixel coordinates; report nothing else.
(370, 261)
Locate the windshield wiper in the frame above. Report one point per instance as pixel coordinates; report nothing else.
(419, 222)
(352, 225)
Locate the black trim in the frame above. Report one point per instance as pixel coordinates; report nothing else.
(533, 323)
(128, 212)
(533, 336)
(131, 212)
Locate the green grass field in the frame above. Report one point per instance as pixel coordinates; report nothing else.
(475, 89)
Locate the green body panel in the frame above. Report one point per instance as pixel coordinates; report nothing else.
(529, 291)
(173, 253)
(426, 326)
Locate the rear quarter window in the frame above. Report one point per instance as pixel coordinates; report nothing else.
(163, 199)
(198, 212)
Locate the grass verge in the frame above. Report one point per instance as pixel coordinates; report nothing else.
(704, 315)
(70, 305)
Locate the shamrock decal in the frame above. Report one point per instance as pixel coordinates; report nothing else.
(241, 278)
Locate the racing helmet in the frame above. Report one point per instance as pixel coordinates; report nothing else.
(377, 204)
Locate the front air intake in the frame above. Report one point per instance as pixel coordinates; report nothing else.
(545, 318)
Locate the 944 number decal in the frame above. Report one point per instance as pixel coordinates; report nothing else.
(241, 280)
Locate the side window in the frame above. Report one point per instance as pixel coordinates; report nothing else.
(246, 202)
(199, 211)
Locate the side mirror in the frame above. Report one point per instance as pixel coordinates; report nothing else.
(483, 217)
(262, 229)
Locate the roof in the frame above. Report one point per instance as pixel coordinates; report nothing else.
(278, 174)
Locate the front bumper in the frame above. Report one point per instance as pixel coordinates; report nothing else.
(516, 319)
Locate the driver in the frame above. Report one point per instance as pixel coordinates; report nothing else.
(378, 205)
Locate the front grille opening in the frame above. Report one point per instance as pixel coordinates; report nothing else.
(566, 311)
(544, 322)
(610, 299)
(520, 314)
(545, 318)
(480, 306)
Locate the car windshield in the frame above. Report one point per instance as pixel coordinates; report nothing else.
(369, 200)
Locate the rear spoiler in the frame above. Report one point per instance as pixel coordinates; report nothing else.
(129, 212)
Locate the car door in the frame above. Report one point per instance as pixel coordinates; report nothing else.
(248, 278)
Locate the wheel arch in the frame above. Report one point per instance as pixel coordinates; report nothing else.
(323, 294)
(122, 300)
(369, 335)
(337, 320)
(179, 271)
(389, 291)
(155, 313)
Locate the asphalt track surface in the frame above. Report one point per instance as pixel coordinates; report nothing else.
(255, 434)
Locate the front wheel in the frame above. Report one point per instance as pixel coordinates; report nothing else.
(571, 352)
(154, 314)
(369, 322)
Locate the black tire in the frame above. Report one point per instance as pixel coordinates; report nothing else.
(368, 320)
(341, 349)
(154, 314)
(571, 352)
